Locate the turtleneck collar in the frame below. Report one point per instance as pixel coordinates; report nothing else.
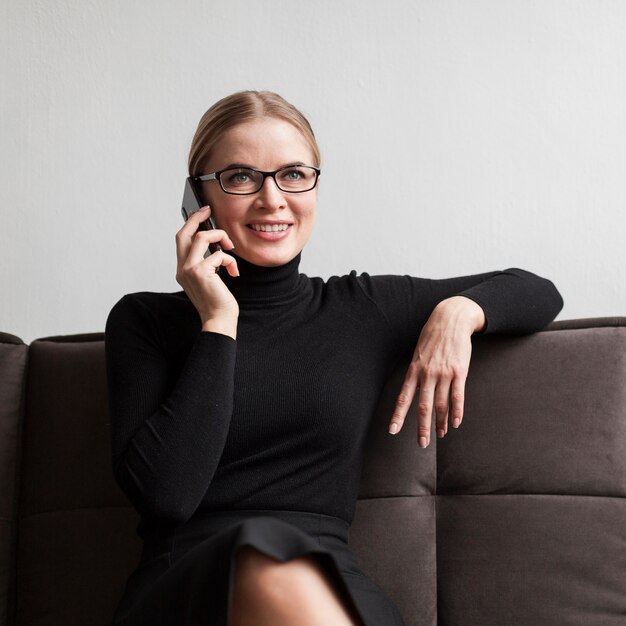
(265, 285)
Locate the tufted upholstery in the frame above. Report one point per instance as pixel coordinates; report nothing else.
(517, 518)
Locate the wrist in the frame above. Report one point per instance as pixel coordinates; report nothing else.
(464, 312)
(224, 326)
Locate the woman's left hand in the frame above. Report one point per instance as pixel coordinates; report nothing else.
(439, 368)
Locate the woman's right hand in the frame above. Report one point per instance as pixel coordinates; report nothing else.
(198, 276)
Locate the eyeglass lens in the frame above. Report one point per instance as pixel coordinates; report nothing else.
(243, 180)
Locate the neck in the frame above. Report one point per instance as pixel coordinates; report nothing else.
(258, 283)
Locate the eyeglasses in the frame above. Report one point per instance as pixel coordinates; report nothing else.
(244, 181)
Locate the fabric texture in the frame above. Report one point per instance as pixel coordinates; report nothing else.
(277, 420)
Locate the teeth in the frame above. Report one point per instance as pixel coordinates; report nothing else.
(269, 228)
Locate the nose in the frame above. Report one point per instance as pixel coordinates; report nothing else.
(270, 196)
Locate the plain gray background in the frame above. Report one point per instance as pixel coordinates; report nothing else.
(458, 136)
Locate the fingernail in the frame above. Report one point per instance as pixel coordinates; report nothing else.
(440, 433)
(423, 442)
(456, 422)
(393, 429)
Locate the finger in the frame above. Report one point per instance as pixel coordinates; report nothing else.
(230, 263)
(184, 235)
(405, 398)
(425, 413)
(200, 215)
(192, 225)
(195, 219)
(199, 273)
(213, 262)
(200, 243)
(457, 396)
(442, 397)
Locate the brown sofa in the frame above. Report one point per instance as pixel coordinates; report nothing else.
(517, 518)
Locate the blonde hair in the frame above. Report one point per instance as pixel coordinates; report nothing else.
(240, 107)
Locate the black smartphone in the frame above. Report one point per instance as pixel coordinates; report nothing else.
(193, 203)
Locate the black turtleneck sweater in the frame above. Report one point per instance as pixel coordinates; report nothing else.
(277, 419)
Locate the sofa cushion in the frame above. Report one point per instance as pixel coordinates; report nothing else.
(73, 565)
(545, 414)
(531, 508)
(77, 539)
(531, 559)
(394, 539)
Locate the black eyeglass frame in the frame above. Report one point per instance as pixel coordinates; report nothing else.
(217, 176)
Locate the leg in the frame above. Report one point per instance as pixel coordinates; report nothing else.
(272, 593)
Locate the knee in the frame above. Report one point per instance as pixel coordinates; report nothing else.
(270, 580)
(267, 591)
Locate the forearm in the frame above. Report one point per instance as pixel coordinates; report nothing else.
(516, 301)
(166, 461)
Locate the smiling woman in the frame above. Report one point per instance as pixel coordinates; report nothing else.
(239, 406)
(269, 212)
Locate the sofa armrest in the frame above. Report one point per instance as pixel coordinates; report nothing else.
(13, 357)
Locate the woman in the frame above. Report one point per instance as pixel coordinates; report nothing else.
(240, 405)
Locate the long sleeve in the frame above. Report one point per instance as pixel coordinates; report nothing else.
(514, 301)
(278, 419)
(169, 423)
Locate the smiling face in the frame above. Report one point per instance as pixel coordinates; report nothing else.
(270, 227)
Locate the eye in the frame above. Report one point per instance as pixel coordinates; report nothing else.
(238, 177)
(292, 174)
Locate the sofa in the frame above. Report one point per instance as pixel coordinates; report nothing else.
(516, 518)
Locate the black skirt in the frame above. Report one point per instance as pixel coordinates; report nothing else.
(185, 576)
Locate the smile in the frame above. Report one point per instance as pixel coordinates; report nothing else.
(269, 228)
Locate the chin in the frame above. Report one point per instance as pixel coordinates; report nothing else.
(267, 259)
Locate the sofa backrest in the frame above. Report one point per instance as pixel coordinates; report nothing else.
(518, 517)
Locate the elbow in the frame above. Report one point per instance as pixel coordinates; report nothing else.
(153, 500)
(167, 511)
(554, 301)
(547, 299)
(547, 305)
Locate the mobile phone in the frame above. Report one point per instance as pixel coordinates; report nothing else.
(193, 203)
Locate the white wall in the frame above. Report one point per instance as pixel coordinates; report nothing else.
(481, 134)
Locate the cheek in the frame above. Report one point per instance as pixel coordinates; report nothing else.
(311, 213)
(222, 220)
(307, 208)
(205, 194)
(307, 219)
(224, 211)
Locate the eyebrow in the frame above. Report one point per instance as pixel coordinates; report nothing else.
(232, 166)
